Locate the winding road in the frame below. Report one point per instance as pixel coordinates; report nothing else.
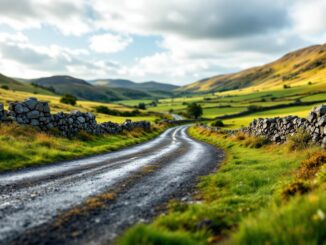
(165, 168)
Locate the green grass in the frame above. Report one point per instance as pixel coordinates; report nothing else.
(301, 221)
(24, 146)
(249, 180)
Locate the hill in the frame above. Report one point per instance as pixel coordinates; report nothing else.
(12, 84)
(87, 91)
(300, 67)
(150, 86)
(77, 87)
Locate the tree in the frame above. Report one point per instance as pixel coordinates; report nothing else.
(194, 110)
(142, 106)
(68, 99)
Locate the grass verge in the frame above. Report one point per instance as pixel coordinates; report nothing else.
(24, 146)
(243, 202)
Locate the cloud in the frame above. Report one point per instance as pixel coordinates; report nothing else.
(192, 18)
(108, 43)
(197, 38)
(35, 60)
(69, 17)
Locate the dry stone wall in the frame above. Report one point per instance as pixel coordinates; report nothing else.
(279, 129)
(38, 114)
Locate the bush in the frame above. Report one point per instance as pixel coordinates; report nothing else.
(218, 123)
(285, 86)
(5, 87)
(297, 188)
(112, 112)
(68, 99)
(298, 141)
(311, 166)
(253, 108)
(142, 106)
(194, 110)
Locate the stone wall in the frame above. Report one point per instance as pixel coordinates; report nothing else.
(278, 129)
(38, 114)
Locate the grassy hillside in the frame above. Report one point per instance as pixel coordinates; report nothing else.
(24, 146)
(297, 68)
(77, 87)
(12, 84)
(103, 91)
(7, 96)
(145, 86)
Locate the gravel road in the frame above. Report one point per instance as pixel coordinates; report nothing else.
(143, 177)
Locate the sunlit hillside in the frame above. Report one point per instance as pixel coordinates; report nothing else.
(7, 96)
(301, 67)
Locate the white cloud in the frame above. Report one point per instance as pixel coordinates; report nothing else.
(69, 17)
(108, 43)
(198, 38)
(21, 58)
(309, 19)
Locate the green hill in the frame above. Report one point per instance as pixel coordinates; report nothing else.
(300, 67)
(150, 86)
(12, 84)
(97, 91)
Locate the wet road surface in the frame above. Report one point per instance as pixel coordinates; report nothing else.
(31, 200)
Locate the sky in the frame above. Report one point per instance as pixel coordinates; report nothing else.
(172, 41)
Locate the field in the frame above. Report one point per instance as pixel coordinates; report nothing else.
(265, 195)
(7, 96)
(233, 102)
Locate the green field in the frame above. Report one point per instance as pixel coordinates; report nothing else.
(228, 103)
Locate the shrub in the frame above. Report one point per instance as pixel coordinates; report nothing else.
(68, 99)
(298, 141)
(253, 108)
(5, 87)
(311, 166)
(297, 188)
(112, 112)
(194, 110)
(218, 123)
(285, 86)
(142, 106)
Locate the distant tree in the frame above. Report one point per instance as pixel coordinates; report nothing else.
(285, 86)
(142, 106)
(68, 99)
(218, 123)
(194, 110)
(253, 108)
(5, 87)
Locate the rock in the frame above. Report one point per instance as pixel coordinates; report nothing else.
(33, 114)
(320, 110)
(31, 103)
(322, 121)
(35, 122)
(19, 108)
(81, 119)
